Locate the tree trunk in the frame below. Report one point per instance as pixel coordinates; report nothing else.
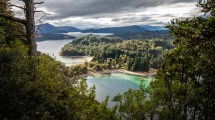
(30, 27)
(28, 22)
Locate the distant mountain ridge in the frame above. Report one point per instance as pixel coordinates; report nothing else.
(117, 30)
(69, 29)
(126, 29)
(48, 29)
(153, 28)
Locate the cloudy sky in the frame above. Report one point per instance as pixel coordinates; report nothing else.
(105, 13)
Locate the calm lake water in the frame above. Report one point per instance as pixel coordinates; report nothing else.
(111, 84)
(53, 48)
(79, 34)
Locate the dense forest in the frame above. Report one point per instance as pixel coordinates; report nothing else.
(133, 55)
(36, 87)
(163, 34)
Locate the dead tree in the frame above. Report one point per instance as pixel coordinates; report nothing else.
(28, 22)
(207, 6)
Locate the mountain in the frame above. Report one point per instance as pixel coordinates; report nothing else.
(126, 29)
(116, 30)
(48, 28)
(69, 29)
(153, 28)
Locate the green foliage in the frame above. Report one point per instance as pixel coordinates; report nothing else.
(131, 105)
(97, 67)
(133, 55)
(207, 6)
(164, 34)
(49, 96)
(43, 92)
(184, 87)
(78, 70)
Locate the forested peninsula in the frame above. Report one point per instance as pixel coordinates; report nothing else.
(116, 53)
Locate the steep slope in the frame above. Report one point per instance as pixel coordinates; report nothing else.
(48, 28)
(68, 29)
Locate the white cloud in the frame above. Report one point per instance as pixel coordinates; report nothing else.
(127, 15)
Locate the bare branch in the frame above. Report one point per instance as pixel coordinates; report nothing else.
(36, 3)
(17, 6)
(10, 17)
(38, 27)
(43, 12)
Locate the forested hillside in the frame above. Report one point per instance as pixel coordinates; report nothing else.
(184, 87)
(38, 88)
(133, 55)
(164, 34)
(33, 86)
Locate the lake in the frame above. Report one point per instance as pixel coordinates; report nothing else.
(110, 84)
(79, 34)
(53, 48)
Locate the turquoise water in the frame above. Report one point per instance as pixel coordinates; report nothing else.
(111, 84)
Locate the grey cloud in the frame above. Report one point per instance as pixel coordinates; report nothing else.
(68, 8)
(194, 12)
(116, 19)
(159, 23)
(168, 15)
(131, 19)
(121, 12)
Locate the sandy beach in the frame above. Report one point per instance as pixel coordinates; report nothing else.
(152, 72)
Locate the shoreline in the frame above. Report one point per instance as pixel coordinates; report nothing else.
(152, 72)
